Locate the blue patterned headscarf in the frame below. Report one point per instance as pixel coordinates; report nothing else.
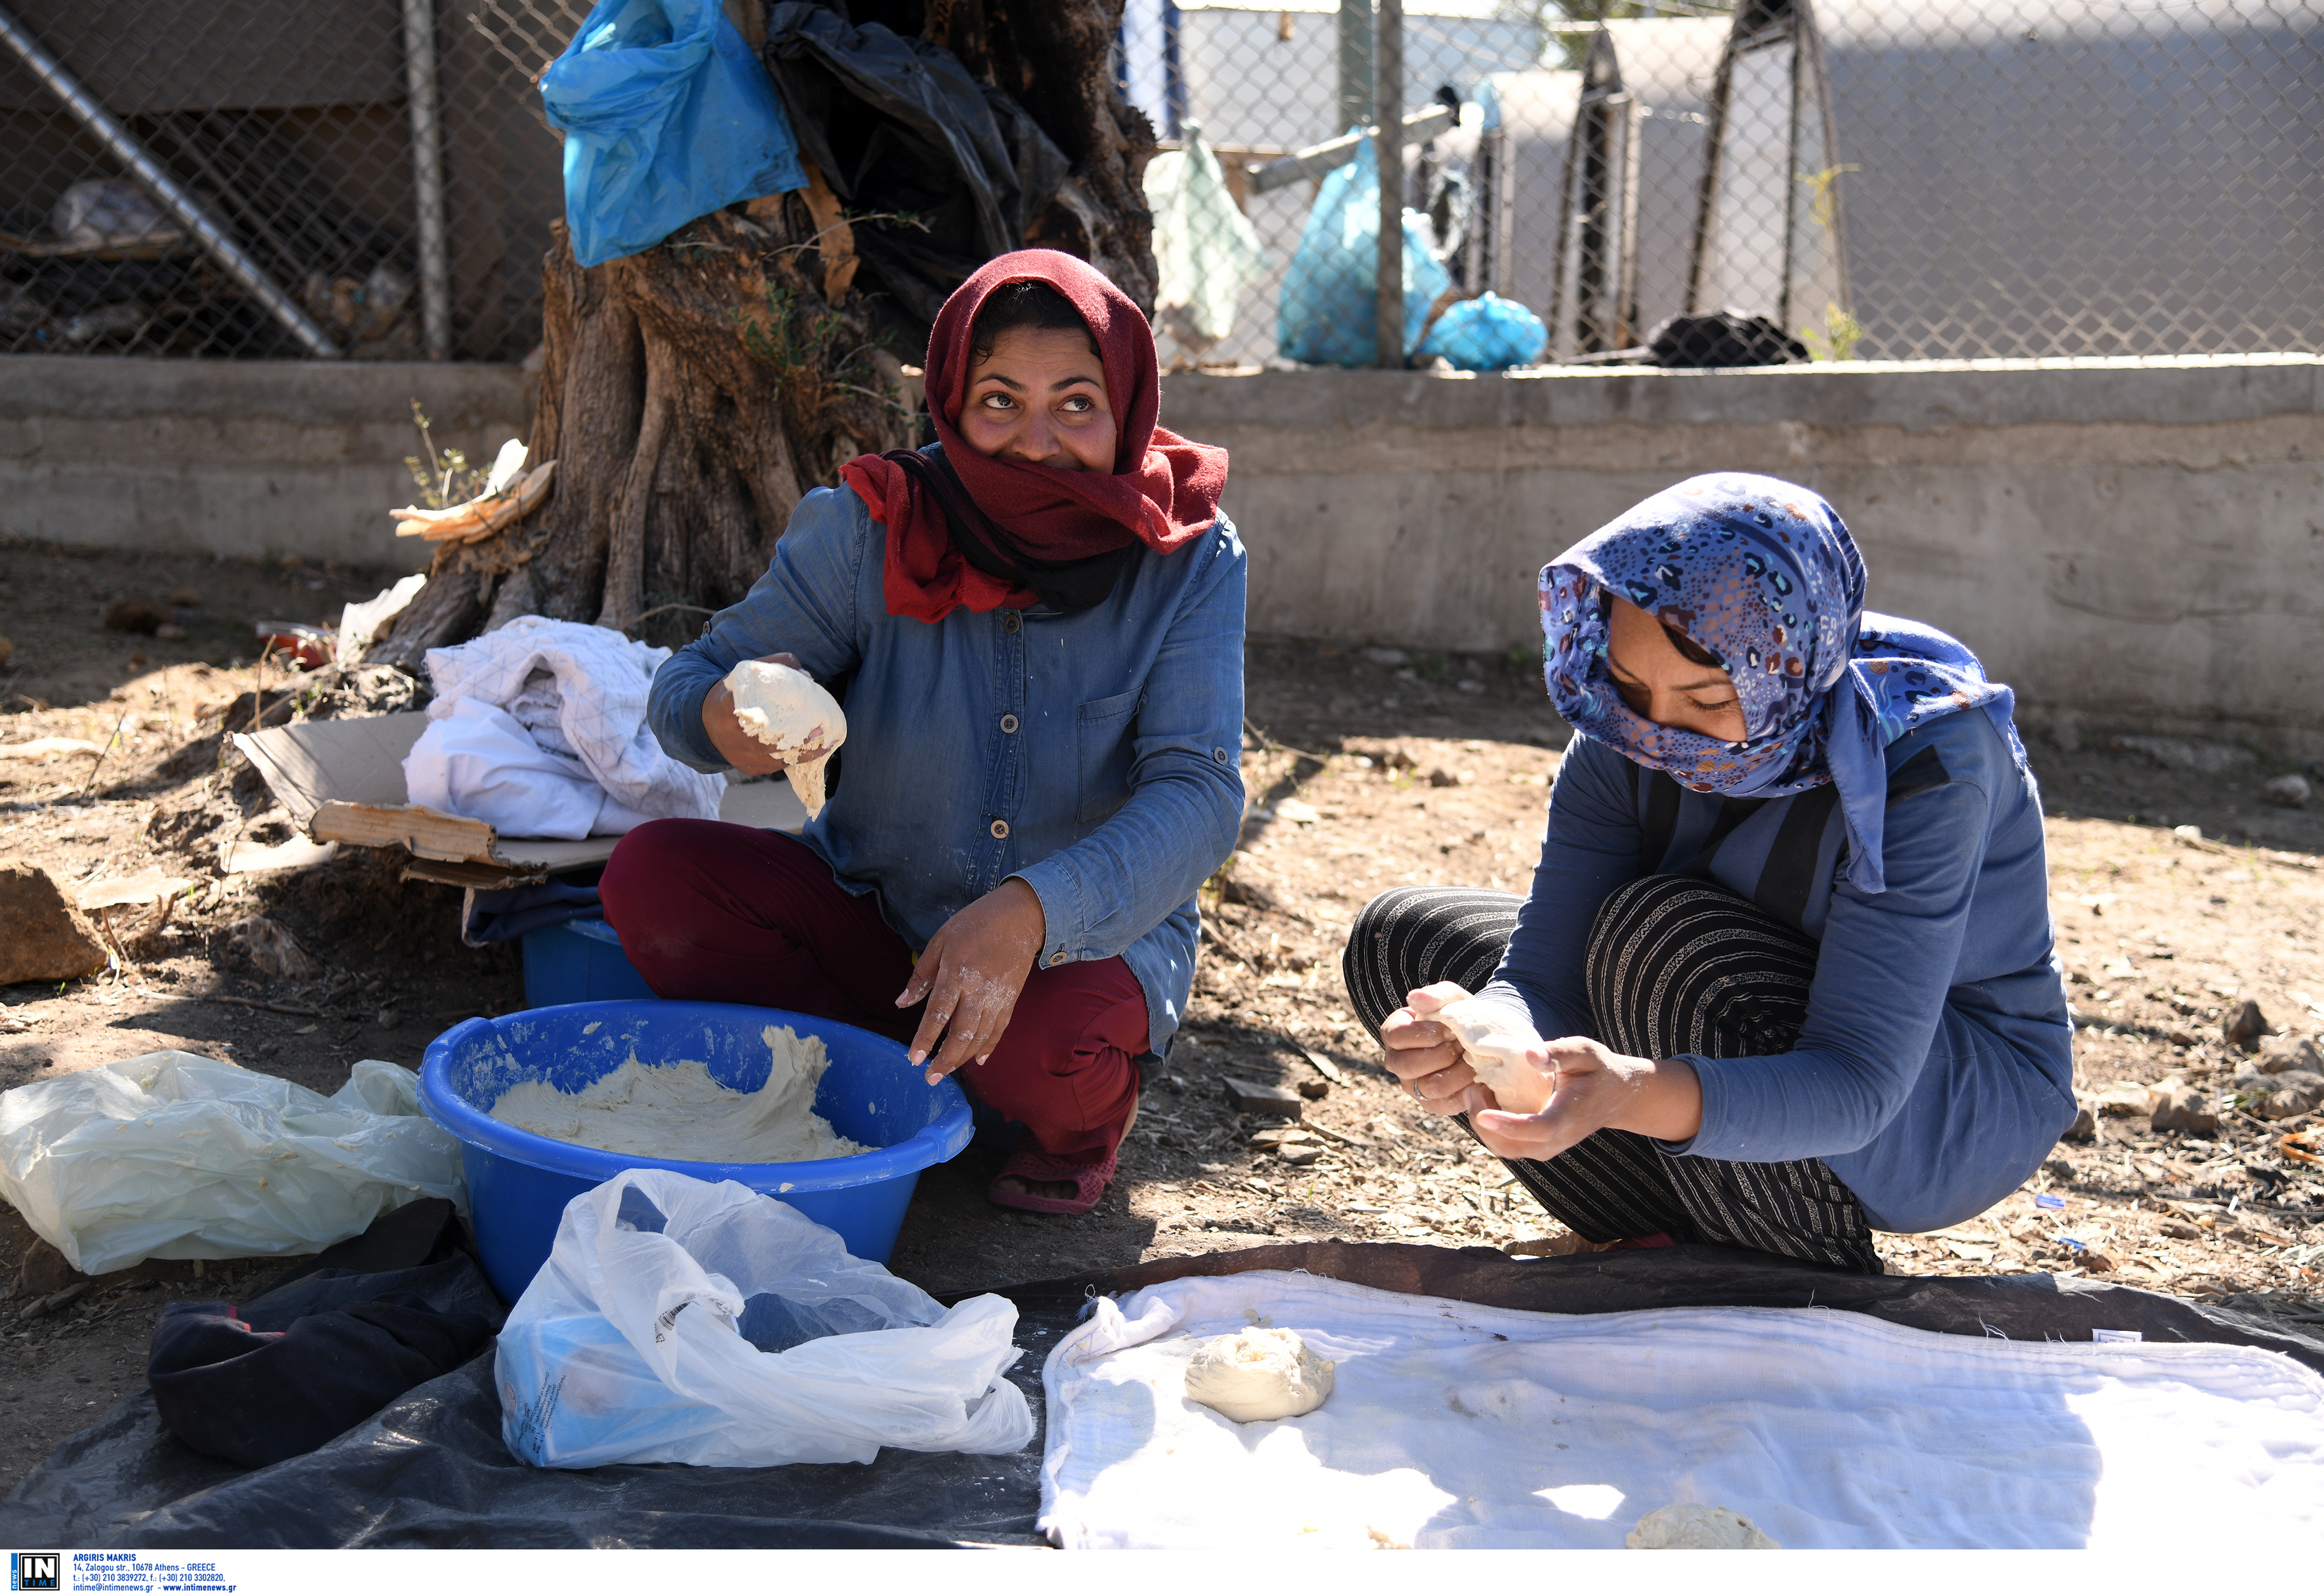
(1764, 576)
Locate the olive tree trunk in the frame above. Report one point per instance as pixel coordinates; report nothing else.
(692, 393)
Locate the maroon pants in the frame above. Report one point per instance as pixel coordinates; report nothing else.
(729, 913)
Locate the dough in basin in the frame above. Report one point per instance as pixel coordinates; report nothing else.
(1259, 1374)
(788, 712)
(1693, 1527)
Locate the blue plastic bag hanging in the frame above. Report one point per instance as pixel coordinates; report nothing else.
(1329, 311)
(666, 117)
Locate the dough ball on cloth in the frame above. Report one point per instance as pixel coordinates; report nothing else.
(1259, 1374)
(1693, 1527)
(789, 711)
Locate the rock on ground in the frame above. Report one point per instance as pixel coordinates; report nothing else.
(43, 936)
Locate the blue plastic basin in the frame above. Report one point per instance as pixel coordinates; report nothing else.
(519, 1182)
(578, 962)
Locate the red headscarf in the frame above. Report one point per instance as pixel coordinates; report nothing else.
(1162, 491)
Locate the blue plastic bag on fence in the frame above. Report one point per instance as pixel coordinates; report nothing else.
(1487, 334)
(666, 117)
(1329, 311)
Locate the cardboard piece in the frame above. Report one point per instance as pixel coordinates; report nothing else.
(343, 781)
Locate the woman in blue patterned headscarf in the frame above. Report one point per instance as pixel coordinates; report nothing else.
(1791, 923)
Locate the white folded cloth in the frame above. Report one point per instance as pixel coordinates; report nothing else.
(540, 728)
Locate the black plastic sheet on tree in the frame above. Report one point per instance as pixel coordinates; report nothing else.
(430, 1470)
(941, 172)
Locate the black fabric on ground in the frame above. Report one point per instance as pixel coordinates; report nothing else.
(1723, 339)
(255, 1396)
(430, 1470)
(1676, 964)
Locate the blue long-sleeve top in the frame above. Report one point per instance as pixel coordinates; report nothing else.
(1095, 756)
(1934, 1072)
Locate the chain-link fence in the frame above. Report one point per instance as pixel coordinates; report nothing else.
(1791, 178)
(276, 177)
(1886, 179)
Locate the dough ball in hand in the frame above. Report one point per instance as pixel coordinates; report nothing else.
(789, 711)
(1693, 1527)
(1256, 1374)
(1493, 1043)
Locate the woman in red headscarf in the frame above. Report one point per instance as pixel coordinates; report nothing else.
(1035, 626)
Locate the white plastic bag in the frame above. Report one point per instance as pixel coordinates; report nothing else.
(678, 1320)
(170, 1155)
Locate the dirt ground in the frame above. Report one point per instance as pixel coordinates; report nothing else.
(1367, 769)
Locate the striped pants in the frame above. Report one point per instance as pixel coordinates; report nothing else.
(1676, 965)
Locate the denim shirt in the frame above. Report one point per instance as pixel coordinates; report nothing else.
(1096, 757)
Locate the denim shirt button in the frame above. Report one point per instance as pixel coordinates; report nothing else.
(1000, 828)
(1058, 957)
(1008, 722)
(1010, 621)
(1218, 755)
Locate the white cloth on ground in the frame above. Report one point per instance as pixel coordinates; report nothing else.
(1458, 1426)
(577, 694)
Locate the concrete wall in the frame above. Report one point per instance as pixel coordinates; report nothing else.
(238, 458)
(2128, 544)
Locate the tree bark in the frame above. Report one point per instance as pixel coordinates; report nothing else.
(692, 393)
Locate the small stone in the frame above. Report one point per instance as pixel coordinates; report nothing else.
(388, 1020)
(186, 598)
(2124, 1101)
(2285, 1096)
(2097, 1261)
(1299, 1154)
(2278, 1054)
(2058, 1169)
(169, 631)
(44, 1270)
(7, 650)
(2179, 1036)
(1314, 1090)
(2085, 1127)
(2290, 792)
(43, 936)
(1251, 1098)
(135, 614)
(2185, 1108)
(270, 948)
(2245, 1026)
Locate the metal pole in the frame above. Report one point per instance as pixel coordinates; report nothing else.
(174, 196)
(1356, 63)
(1388, 102)
(427, 177)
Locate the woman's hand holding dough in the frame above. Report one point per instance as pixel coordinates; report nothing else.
(1597, 1089)
(736, 746)
(971, 974)
(1422, 1052)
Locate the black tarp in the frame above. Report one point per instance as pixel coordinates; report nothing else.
(430, 1471)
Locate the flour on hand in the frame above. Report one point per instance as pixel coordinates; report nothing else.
(678, 1112)
(1692, 1527)
(788, 712)
(1494, 1043)
(1259, 1374)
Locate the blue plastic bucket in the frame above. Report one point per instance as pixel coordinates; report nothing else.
(578, 962)
(519, 1182)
